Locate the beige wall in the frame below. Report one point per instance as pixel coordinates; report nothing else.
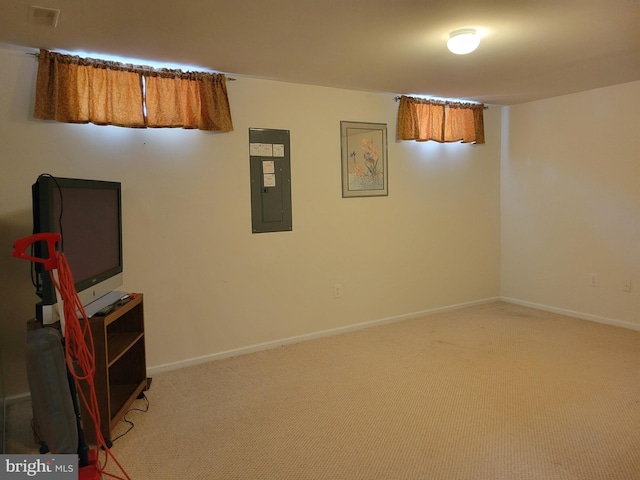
(210, 285)
(571, 204)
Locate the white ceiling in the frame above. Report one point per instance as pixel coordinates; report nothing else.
(531, 49)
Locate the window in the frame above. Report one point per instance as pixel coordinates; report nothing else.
(439, 120)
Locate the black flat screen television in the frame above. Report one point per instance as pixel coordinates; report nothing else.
(88, 215)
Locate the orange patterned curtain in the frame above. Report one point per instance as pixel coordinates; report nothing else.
(422, 120)
(80, 90)
(187, 100)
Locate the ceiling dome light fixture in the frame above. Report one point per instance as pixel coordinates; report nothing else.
(463, 41)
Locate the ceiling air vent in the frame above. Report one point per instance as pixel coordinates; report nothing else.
(44, 16)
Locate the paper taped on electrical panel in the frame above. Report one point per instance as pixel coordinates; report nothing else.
(268, 166)
(269, 180)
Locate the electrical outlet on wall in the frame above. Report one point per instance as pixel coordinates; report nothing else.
(337, 290)
(594, 281)
(626, 286)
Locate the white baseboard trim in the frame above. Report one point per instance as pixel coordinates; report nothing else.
(19, 398)
(309, 336)
(358, 326)
(571, 313)
(285, 341)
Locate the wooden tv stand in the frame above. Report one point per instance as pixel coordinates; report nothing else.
(121, 371)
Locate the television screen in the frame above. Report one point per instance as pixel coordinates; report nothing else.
(88, 215)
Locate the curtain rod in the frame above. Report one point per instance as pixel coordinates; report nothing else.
(231, 79)
(397, 99)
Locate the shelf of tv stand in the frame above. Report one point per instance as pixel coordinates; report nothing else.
(119, 343)
(121, 372)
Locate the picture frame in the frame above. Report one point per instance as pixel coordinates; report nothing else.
(364, 159)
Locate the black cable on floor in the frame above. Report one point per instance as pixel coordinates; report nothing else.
(131, 424)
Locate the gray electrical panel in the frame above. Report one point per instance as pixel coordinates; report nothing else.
(270, 170)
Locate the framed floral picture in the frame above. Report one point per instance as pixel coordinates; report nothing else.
(364, 159)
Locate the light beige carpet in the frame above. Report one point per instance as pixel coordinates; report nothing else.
(493, 392)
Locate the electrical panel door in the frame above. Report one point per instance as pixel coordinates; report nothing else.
(270, 171)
